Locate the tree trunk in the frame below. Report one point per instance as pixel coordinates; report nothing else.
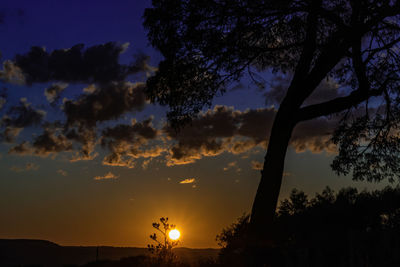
(266, 199)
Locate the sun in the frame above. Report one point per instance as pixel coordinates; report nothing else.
(174, 234)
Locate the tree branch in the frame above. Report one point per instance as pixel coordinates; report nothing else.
(359, 66)
(307, 55)
(337, 104)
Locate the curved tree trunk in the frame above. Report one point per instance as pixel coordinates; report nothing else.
(266, 199)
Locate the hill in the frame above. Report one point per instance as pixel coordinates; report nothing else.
(17, 252)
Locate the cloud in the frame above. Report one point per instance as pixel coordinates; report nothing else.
(53, 92)
(10, 134)
(107, 176)
(188, 181)
(224, 129)
(94, 64)
(87, 138)
(49, 142)
(11, 73)
(115, 159)
(230, 165)
(31, 166)
(130, 142)
(124, 47)
(315, 135)
(22, 115)
(27, 167)
(256, 165)
(219, 130)
(22, 149)
(62, 172)
(328, 89)
(3, 101)
(136, 133)
(106, 102)
(98, 63)
(90, 89)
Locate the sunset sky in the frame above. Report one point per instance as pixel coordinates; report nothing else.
(109, 189)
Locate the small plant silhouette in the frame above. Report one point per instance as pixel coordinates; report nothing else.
(164, 245)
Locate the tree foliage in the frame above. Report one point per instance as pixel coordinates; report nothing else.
(329, 229)
(209, 44)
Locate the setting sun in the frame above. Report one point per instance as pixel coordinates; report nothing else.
(174, 234)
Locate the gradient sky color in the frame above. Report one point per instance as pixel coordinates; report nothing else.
(69, 202)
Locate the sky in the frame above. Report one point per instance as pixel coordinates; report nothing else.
(109, 189)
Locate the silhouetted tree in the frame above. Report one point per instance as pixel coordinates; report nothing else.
(232, 242)
(331, 229)
(208, 44)
(164, 245)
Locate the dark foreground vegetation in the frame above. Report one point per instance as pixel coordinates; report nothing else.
(347, 228)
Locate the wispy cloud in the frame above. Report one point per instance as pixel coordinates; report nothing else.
(62, 172)
(107, 176)
(256, 165)
(230, 165)
(27, 167)
(188, 181)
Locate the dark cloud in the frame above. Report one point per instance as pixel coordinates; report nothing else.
(10, 134)
(129, 142)
(224, 129)
(97, 63)
(315, 135)
(107, 97)
(49, 142)
(107, 102)
(22, 115)
(53, 92)
(3, 97)
(22, 149)
(94, 64)
(3, 101)
(327, 90)
(11, 73)
(43, 145)
(137, 132)
(141, 64)
(118, 160)
(87, 138)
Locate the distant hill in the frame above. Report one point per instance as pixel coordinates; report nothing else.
(17, 252)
